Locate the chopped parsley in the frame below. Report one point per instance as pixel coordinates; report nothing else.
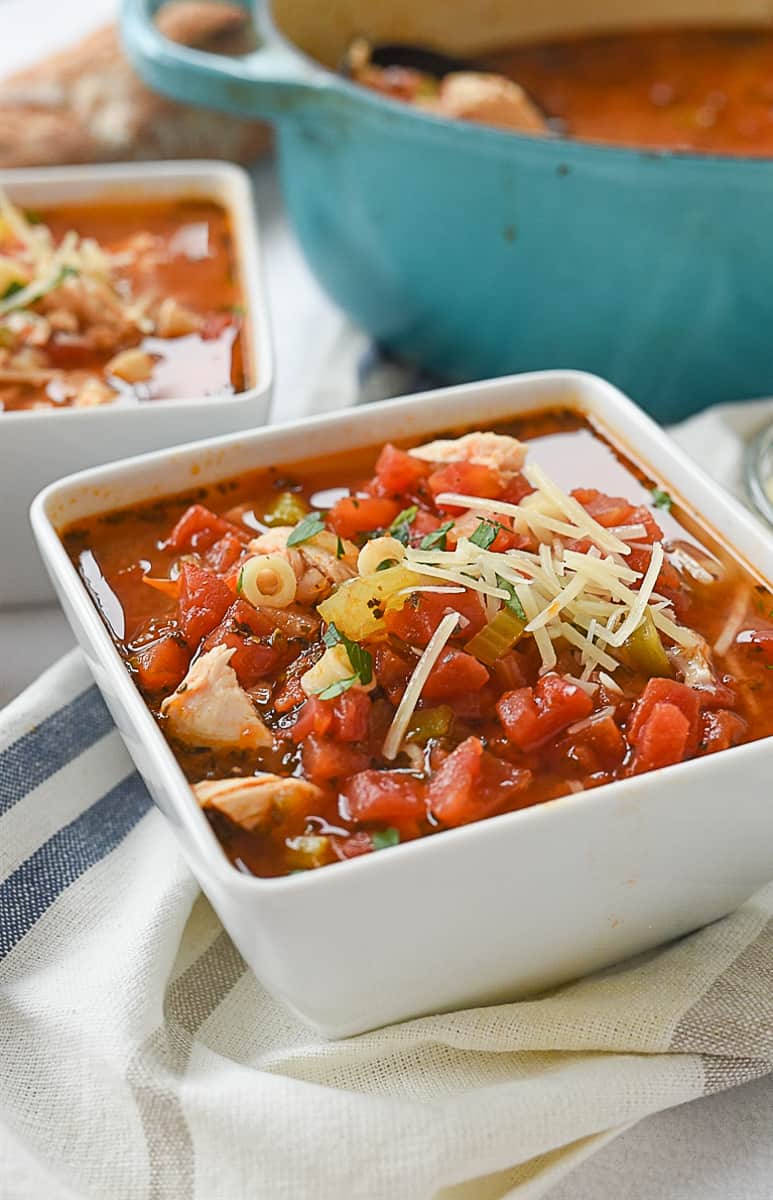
(661, 499)
(513, 602)
(361, 660)
(339, 548)
(13, 287)
(484, 535)
(386, 563)
(400, 527)
(382, 839)
(437, 539)
(338, 688)
(309, 527)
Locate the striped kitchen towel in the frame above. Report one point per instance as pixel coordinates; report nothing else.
(140, 1060)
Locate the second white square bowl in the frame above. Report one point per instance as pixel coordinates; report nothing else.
(38, 447)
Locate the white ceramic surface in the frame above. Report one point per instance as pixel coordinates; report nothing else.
(493, 910)
(38, 447)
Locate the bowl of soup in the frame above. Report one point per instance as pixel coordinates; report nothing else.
(619, 225)
(131, 316)
(485, 684)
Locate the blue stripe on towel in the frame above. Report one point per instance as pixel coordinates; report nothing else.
(39, 754)
(34, 886)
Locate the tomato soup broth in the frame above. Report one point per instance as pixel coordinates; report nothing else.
(347, 655)
(118, 302)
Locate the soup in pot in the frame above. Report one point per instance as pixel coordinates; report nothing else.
(708, 90)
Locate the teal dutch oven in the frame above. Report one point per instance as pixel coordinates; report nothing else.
(476, 252)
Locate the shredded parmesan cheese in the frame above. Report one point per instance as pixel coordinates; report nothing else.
(609, 683)
(734, 621)
(589, 598)
(574, 511)
(415, 685)
(636, 615)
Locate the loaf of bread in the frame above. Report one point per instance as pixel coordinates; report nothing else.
(86, 104)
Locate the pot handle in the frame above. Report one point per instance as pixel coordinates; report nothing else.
(270, 82)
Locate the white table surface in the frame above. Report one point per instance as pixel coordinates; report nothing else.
(715, 1149)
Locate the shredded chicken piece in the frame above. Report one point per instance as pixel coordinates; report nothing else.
(210, 708)
(258, 802)
(695, 665)
(92, 393)
(173, 320)
(501, 453)
(314, 562)
(487, 99)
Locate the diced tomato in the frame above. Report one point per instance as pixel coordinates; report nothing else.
(389, 797)
(397, 472)
(669, 583)
(607, 510)
(758, 641)
(476, 706)
(314, 717)
(663, 738)
(508, 539)
(204, 601)
(520, 717)
(251, 632)
(600, 746)
(351, 716)
(380, 718)
(471, 783)
(666, 691)
(531, 716)
(354, 845)
(161, 665)
(361, 514)
(198, 529)
(423, 523)
(455, 673)
(499, 781)
(471, 479)
(722, 694)
(451, 790)
(225, 553)
(720, 730)
(422, 612)
(510, 672)
(516, 489)
(324, 759)
(643, 516)
(345, 719)
(392, 672)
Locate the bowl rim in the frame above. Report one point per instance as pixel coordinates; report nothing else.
(238, 202)
(211, 857)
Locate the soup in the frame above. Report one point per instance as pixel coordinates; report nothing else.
(707, 90)
(117, 303)
(345, 655)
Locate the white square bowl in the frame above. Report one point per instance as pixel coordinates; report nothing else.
(37, 447)
(489, 911)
